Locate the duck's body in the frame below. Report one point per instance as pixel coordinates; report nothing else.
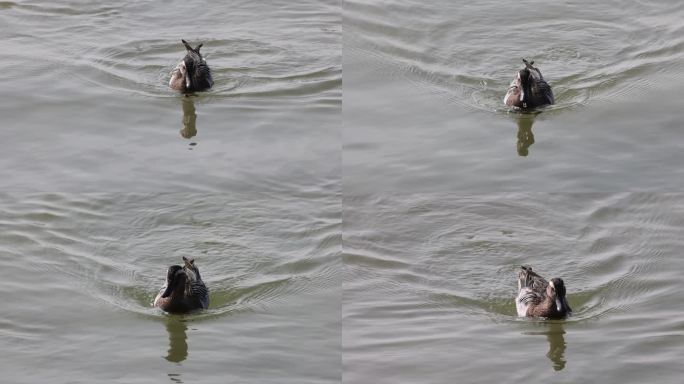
(540, 298)
(184, 290)
(529, 89)
(192, 74)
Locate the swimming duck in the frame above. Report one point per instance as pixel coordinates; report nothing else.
(184, 290)
(529, 89)
(192, 73)
(539, 298)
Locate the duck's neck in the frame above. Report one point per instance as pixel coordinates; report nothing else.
(179, 290)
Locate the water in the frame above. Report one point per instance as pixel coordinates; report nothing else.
(374, 241)
(110, 177)
(430, 279)
(81, 272)
(86, 104)
(424, 84)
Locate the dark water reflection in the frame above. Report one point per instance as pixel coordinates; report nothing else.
(525, 135)
(189, 118)
(555, 336)
(178, 339)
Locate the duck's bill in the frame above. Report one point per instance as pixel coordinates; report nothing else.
(562, 305)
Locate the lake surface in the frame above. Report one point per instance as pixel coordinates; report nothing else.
(81, 272)
(424, 84)
(245, 178)
(86, 104)
(430, 280)
(370, 237)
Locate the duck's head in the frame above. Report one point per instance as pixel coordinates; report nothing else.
(175, 280)
(556, 290)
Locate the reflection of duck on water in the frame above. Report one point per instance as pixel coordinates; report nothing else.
(529, 89)
(556, 338)
(189, 118)
(525, 135)
(192, 73)
(178, 340)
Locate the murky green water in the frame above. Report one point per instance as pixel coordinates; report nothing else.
(86, 104)
(81, 272)
(430, 281)
(86, 108)
(424, 84)
(360, 233)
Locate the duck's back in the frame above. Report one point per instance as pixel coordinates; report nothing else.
(532, 288)
(202, 77)
(541, 90)
(200, 294)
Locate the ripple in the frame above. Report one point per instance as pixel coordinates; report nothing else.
(586, 59)
(242, 68)
(461, 255)
(115, 249)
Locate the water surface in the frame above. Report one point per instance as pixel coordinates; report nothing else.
(86, 106)
(81, 272)
(424, 84)
(430, 280)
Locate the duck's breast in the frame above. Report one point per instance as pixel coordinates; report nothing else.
(177, 81)
(512, 97)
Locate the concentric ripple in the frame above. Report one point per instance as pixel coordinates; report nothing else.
(469, 53)
(116, 249)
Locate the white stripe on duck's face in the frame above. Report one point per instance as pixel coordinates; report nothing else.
(551, 290)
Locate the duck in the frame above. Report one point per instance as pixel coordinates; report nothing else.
(192, 74)
(529, 89)
(540, 298)
(184, 290)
